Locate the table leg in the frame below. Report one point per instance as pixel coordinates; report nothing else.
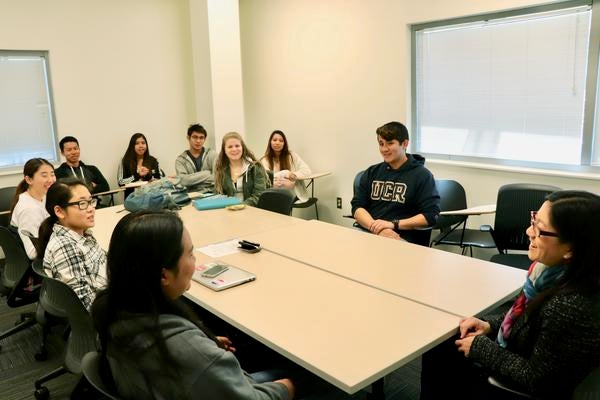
(377, 392)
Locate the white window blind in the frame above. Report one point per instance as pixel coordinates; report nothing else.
(509, 89)
(26, 121)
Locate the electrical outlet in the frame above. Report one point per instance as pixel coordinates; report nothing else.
(339, 203)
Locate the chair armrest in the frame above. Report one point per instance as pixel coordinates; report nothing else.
(500, 385)
(486, 228)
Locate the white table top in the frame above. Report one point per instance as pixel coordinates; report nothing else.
(212, 226)
(314, 175)
(348, 334)
(478, 210)
(457, 284)
(205, 227)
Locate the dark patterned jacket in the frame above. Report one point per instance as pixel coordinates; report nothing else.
(549, 352)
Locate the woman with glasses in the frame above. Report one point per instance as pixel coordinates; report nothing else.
(549, 339)
(70, 252)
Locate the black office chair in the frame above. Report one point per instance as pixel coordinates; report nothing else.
(15, 279)
(90, 365)
(452, 197)
(311, 201)
(277, 200)
(6, 197)
(49, 313)
(587, 389)
(453, 230)
(513, 206)
(82, 337)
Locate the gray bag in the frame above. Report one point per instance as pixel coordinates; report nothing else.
(157, 195)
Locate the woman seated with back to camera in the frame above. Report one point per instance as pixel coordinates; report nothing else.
(549, 340)
(287, 167)
(155, 348)
(237, 172)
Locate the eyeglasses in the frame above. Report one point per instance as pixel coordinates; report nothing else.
(83, 204)
(537, 231)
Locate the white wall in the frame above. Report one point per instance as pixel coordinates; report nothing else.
(329, 73)
(117, 67)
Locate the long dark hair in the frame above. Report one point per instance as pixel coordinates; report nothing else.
(130, 158)
(223, 161)
(284, 156)
(59, 195)
(134, 282)
(575, 215)
(29, 169)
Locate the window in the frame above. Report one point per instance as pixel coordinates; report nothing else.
(508, 88)
(27, 127)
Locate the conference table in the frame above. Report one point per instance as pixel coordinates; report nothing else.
(325, 295)
(459, 285)
(348, 334)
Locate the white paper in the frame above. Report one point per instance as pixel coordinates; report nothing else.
(220, 249)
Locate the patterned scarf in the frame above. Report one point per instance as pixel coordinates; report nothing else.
(539, 278)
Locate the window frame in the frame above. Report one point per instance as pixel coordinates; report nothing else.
(45, 56)
(590, 100)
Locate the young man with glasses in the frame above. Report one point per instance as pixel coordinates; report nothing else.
(195, 166)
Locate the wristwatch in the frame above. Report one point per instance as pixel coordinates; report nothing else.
(396, 223)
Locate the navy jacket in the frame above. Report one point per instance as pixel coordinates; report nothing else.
(398, 194)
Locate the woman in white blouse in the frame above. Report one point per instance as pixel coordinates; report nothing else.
(28, 209)
(287, 167)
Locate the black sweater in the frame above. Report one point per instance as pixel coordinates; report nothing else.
(549, 352)
(401, 193)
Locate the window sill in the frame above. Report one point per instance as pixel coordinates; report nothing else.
(523, 170)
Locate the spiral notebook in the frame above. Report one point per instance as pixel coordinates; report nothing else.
(233, 276)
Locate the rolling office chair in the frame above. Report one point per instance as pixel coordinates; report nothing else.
(90, 364)
(513, 206)
(311, 201)
(15, 281)
(82, 337)
(453, 197)
(6, 197)
(277, 200)
(588, 388)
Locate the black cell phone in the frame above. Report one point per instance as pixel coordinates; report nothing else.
(249, 247)
(215, 271)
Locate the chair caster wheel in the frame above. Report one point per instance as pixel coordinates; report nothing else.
(42, 393)
(41, 355)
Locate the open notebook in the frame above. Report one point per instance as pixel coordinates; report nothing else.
(233, 276)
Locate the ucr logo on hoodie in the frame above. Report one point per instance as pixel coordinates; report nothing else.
(388, 191)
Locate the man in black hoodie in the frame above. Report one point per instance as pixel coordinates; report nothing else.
(398, 195)
(74, 167)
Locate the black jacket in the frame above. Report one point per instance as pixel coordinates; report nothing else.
(87, 173)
